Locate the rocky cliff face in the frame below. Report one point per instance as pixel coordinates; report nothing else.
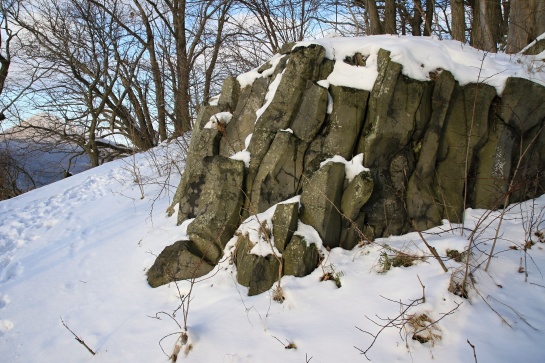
(361, 164)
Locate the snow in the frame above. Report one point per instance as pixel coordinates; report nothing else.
(248, 78)
(244, 155)
(213, 101)
(323, 83)
(542, 36)
(258, 230)
(329, 104)
(309, 234)
(220, 117)
(351, 168)
(78, 249)
(270, 95)
(421, 55)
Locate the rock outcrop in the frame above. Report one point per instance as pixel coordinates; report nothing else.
(430, 149)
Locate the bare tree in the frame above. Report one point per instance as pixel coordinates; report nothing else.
(6, 37)
(92, 64)
(275, 22)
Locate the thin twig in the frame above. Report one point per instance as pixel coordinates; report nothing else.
(473, 347)
(431, 248)
(423, 289)
(79, 340)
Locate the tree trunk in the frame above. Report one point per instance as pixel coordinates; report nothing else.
(430, 7)
(156, 73)
(374, 20)
(458, 20)
(485, 30)
(526, 23)
(416, 22)
(182, 120)
(390, 17)
(215, 51)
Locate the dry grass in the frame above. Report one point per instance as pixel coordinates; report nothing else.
(423, 328)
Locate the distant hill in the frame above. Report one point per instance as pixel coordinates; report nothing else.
(33, 159)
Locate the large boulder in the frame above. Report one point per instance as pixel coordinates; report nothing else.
(430, 147)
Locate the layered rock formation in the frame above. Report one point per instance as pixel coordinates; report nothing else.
(430, 149)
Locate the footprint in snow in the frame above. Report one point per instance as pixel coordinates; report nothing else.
(4, 300)
(10, 271)
(5, 326)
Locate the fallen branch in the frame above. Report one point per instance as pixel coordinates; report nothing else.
(431, 248)
(78, 338)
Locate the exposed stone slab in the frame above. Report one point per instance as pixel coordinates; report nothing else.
(285, 220)
(230, 93)
(278, 176)
(494, 164)
(303, 66)
(321, 201)
(356, 194)
(204, 143)
(220, 205)
(179, 261)
(352, 232)
(423, 205)
(345, 122)
(386, 142)
(465, 132)
(256, 272)
(300, 258)
(243, 122)
(311, 114)
(522, 104)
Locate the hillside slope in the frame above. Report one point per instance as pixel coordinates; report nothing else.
(78, 250)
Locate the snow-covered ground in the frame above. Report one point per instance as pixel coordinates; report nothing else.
(78, 250)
